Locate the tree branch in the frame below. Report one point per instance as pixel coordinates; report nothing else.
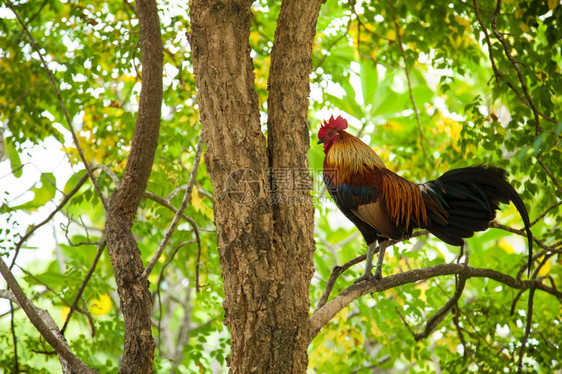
(179, 212)
(74, 305)
(333, 43)
(34, 228)
(521, 233)
(407, 71)
(435, 319)
(334, 306)
(547, 210)
(166, 203)
(159, 283)
(14, 337)
(63, 107)
(527, 329)
(134, 295)
(536, 113)
(497, 74)
(338, 270)
(39, 319)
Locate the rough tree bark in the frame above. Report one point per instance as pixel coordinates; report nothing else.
(288, 144)
(265, 244)
(136, 304)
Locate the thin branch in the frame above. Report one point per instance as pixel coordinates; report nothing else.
(176, 191)
(7, 294)
(179, 212)
(515, 65)
(527, 329)
(165, 203)
(536, 113)
(204, 192)
(521, 233)
(57, 342)
(333, 43)
(435, 319)
(407, 71)
(548, 172)
(543, 214)
(63, 202)
(74, 305)
(324, 314)
(456, 312)
(497, 74)
(109, 172)
(160, 279)
(88, 315)
(66, 228)
(37, 13)
(547, 256)
(24, 94)
(44, 284)
(548, 343)
(338, 270)
(334, 248)
(14, 337)
(63, 107)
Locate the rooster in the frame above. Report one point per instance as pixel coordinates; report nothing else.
(385, 206)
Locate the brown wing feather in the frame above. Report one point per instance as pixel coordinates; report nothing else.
(376, 215)
(404, 200)
(395, 202)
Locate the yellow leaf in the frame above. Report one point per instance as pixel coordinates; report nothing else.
(524, 27)
(422, 287)
(545, 269)
(500, 130)
(101, 306)
(393, 126)
(196, 200)
(552, 4)
(391, 35)
(199, 205)
(506, 246)
(64, 312)
(255, 37)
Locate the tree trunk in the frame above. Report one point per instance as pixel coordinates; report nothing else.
(288, 144)
(265, 244)
(136, 303)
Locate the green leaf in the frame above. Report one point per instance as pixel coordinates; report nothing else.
(73, 181)
(43, 193)
(12, 154)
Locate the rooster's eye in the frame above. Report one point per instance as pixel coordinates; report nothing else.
(330, 133)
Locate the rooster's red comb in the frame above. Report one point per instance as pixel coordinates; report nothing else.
(336, 123)
(333, 123)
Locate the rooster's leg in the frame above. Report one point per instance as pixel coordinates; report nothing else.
(368, 275)
(378, 270)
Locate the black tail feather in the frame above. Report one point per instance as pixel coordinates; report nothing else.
(468, 199)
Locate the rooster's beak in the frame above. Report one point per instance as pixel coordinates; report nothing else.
(320, 141)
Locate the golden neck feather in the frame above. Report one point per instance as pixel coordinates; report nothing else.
(351, 155)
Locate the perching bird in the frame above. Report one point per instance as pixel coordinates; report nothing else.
(384, 206)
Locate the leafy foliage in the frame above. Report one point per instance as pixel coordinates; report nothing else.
(415, 80)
